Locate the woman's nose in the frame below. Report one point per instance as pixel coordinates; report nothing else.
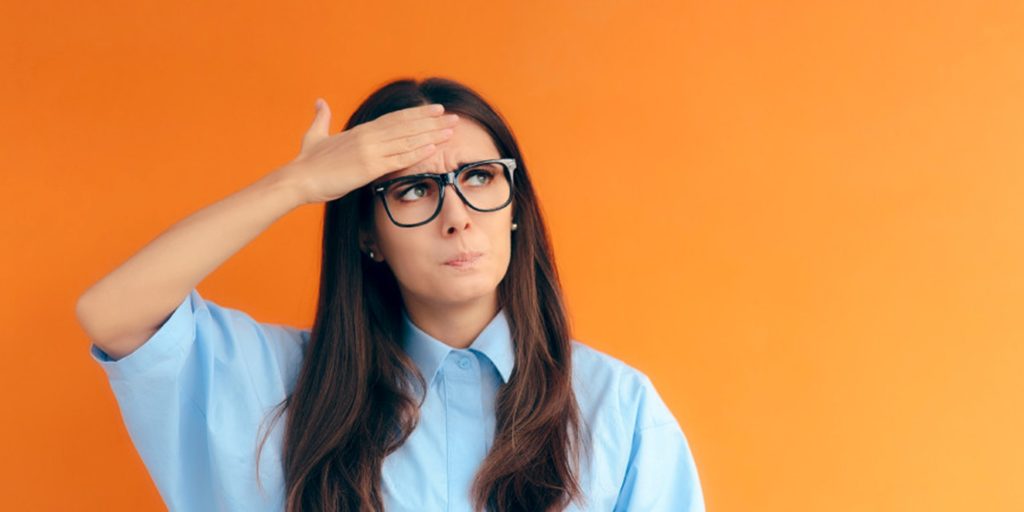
(453, 208)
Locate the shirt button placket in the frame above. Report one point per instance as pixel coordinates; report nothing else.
(466, 447)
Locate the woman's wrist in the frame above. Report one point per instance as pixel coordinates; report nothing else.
(288, 183)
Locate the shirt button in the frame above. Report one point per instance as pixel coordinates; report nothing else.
(464, 362)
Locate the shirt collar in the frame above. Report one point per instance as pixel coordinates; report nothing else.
(495, 342)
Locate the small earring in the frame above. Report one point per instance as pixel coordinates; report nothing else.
(371, 254)
(514, 226)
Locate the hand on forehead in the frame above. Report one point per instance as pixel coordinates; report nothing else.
(469, 143)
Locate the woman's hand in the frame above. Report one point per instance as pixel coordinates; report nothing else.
(330, 166)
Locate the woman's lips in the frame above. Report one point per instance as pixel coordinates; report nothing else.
(464, 260)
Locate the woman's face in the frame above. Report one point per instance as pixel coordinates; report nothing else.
(417, 255)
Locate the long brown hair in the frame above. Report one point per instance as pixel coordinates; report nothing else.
(353, 403)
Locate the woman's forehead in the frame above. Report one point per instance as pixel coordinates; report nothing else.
(470, 143)
(430, 167)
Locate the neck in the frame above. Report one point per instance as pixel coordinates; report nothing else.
(454, 324)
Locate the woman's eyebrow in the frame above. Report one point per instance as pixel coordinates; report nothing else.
(406, 172)
(457, 165)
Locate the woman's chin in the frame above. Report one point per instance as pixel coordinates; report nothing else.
(463, 290)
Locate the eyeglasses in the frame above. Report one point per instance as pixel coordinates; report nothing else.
(414, 200)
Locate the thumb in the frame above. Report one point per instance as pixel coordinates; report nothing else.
(321, 123)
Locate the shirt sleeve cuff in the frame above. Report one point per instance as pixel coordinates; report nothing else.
(169, 341)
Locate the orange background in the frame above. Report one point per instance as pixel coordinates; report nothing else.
(803, 222)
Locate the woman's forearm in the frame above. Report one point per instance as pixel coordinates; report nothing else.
(124, 308)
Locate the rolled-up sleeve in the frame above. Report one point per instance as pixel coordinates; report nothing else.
(193, 394)
(661, 474)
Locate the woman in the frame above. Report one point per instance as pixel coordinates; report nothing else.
(439, 372)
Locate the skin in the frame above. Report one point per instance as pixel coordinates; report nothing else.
(450, 304)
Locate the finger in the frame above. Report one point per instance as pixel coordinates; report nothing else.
(321, 123)
(415, 127)
(410, 143)
(409, 114)
(403, 160)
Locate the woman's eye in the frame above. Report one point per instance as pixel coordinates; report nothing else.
(413, 191)
(417, 191)
(483, 175)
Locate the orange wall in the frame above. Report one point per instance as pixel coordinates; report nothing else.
(802, 221)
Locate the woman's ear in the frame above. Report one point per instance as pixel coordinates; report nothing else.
(366, 242)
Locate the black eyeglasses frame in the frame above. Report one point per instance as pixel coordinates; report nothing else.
(443, 180)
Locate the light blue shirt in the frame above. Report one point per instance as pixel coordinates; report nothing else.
(194, 394)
